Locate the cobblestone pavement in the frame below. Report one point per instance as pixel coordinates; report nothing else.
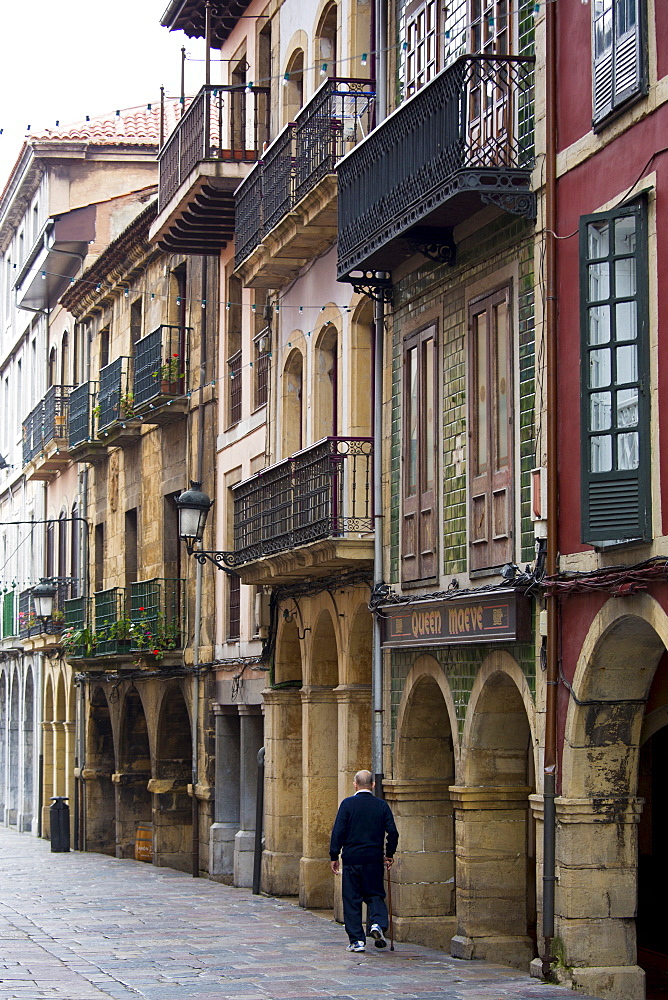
(87, 927)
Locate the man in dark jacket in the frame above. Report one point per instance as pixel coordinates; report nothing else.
(360, 829)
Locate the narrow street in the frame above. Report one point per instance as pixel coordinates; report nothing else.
(88, 927)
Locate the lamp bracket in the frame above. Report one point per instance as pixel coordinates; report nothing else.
(220, 560)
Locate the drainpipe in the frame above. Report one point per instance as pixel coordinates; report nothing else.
(552, 676)
(380, 46)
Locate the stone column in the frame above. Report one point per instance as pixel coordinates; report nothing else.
(490, 839)
(596, 895)
(48, 777)
(58, 729)
(423, 877)
(69, 731)
(354, 751)
(226, 810)
(282, 791)
(252, 733)
(320, 794)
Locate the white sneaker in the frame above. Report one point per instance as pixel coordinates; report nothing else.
(378, 936)
(356, 946)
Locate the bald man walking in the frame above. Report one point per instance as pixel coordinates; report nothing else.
(365, 831)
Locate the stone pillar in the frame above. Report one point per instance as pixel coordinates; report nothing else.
(48, 777)
(282, 791)
(354, 729)
(423, 877)
(252, 733)
(226, 810)
(320, 794)
(69, 735)
(58, 758)
(490, 838)
(596, 896)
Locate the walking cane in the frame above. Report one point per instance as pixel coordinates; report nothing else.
(389, 901)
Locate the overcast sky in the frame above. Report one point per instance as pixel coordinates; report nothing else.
(61, 61)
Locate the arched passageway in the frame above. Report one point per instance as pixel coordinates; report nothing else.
(3, 744)
(100, 808)
(14, 751)
(172, 807)
(28, 752)
(133, 799)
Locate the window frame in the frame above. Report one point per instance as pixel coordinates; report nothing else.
(601, 524)
(606, 64)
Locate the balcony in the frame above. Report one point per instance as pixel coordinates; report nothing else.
(45, 435)
(223, 131)
(29, 626)
(82, 445)
(161, 374)
(286, 211)
(463, 141)
(145, 622)
(309, 515)
(117, 423)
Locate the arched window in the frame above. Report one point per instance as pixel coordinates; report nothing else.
(75, 558)
(53, 367)
(326, 42)
(65, 359)
(293, 376)
(293, 86)
(326, 387)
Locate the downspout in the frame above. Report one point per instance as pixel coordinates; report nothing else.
(380, 46)
(552, 675)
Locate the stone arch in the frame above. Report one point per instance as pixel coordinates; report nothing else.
(28, 751)
(357, 666)
(326, 39)
(60, 739)
(326, 417)
(288, 658)
(172, 808)
(133, 799)
(361, 368)
(424, 770)
(100, 810)
(3, 744)
(323, 661)
(14, 748)
(48, 789)
(292, 422)
(293, 80)
(496, 861)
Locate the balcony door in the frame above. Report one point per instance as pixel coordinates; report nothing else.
(419, 560)
(490, 88)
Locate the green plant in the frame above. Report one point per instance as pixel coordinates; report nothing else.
(153, 633)
(77, 640)
(127, 404)
(170, 370)
(97, 410)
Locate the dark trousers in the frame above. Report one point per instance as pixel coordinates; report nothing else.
(363, 884)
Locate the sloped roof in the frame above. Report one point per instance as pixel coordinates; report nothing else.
(129, 127)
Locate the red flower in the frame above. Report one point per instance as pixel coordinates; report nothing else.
(156, 652)
(175, 355)
(142, 609)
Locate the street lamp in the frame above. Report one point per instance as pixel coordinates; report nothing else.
(194, 506)
(42, 597)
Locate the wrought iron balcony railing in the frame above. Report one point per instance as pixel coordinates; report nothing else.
(222, 123)
(80, 419)
(161, 364)
(47, 422)
(77, 618)
(28, 623)
(339, 115)
(466, 135)
(321, 492)
(115, 400)
(155, 612)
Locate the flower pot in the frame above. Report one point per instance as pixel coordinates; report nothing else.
(169, 387)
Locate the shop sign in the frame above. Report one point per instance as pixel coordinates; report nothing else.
(501, 616)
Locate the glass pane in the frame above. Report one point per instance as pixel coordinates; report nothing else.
(625, 235)
(480, 460)
(599, 368)
(600, 411)
(599, 239)
(627, 407)
(501, 415)
(599, 281)
(626, 327)
(428, 421)
(626, 359)
(601, 453)
(627, 451)
(625, 277)
(599, 325)
(412, 420)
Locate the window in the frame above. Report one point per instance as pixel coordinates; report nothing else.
(490, 409)
(233, 607)
(262, 350)
(421, 41)
(419, 474)
(618, 63)
(614, 390)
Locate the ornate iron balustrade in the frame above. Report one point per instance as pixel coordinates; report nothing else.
(155, 613)
(80, 418)
(470, 130)
(222, 123)
(321, 492)
(338, 115)
(30, 625)
(161, 364)
(8, 614)
(47, 421)
(114, 399)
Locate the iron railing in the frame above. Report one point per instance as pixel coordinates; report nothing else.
(161, 364)
(30, 625)
(47, 422)
(222, 123)
(114, 398)
(80, 419)
(321, 492)
(155, 612)
(77, 618)
(112, 627)
(8, 614)
(476, 115)
(337, 117)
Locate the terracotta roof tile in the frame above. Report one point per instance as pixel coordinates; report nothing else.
(132, 127)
